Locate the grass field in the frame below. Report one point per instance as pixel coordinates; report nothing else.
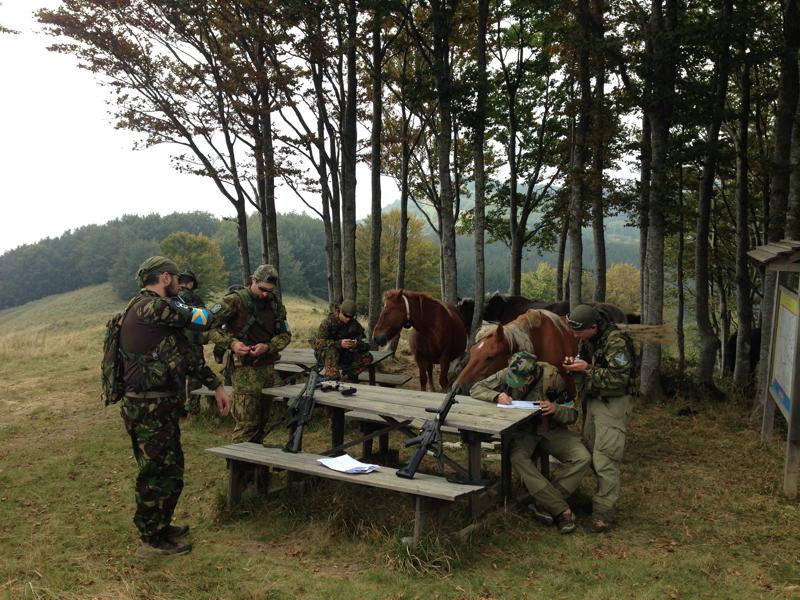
(701, 514)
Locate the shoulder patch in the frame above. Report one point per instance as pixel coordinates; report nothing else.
(215, 309)
(620, 359)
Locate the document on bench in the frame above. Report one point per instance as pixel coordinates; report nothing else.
(521, 404)
(347, 464)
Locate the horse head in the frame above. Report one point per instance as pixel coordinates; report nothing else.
(490, 353)
(466, 308)
(392, 319)
(494, 307)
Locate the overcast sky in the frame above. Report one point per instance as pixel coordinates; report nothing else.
(62, 163)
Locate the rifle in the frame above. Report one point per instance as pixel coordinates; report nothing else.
(430, 437)
(301, 407)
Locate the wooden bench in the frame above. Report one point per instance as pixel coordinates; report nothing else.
(290, 371)
(432, 495)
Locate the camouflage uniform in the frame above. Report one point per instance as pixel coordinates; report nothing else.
(607, 388)
(329, 352)
(550, 432)
(198, 340)
(157, 357)
(267, 324)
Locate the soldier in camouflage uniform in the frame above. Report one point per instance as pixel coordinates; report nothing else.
(605, 371)
(340, 343)
(252, 323)
(156, 358)
(190, 295)
(527, 379)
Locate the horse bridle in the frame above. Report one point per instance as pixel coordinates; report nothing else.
(407, 324)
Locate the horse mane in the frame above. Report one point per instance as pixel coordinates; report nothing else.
(516, 336)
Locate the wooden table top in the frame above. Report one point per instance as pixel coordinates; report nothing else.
(467, 414)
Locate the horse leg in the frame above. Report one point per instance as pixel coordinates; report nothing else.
(423, 373)
(430, 376)
(444, 364)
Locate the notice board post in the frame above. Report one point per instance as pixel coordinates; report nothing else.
(782, 385)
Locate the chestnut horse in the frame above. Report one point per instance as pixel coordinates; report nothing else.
(540, 332)
(438, 335)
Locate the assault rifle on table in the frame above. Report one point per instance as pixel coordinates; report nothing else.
(430, 437)
(301, 407)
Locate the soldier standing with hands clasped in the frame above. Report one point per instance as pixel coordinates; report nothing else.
(605, 370)
(252, 323)
(156, 357)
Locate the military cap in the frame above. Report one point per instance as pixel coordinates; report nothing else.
(520, 368)
(266, 273)
(188, 276)
(155, 264)
(348, 308)
(582, 317)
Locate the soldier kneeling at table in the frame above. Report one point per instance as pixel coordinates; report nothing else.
(527, 379)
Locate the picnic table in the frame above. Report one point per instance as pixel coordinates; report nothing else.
(397, 410)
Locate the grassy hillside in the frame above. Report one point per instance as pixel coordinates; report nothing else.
(701, 513)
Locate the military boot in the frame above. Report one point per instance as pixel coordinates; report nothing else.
(565, 522)
(540, 514)
(164, 547)
(175, 532)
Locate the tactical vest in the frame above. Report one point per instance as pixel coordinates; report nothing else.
(256, 324)
(149, 365)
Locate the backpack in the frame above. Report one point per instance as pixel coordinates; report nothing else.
(112, 387)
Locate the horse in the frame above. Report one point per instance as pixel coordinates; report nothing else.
(540, 332)
(501, 308)
(438, 334)
(612, 312)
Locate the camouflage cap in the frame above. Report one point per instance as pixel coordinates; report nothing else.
(266, 273)
(520, 368)
(155, 264)
(188, 276)
(582, 317)
(348, 308)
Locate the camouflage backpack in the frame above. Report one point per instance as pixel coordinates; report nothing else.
(112, 388)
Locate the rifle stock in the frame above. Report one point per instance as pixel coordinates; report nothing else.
(301, 413)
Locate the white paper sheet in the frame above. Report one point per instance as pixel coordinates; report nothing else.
(520, 404)
(347, 464)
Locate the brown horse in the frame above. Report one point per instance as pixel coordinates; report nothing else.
(438, 335)
(540, 332)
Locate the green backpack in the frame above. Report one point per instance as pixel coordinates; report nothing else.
(112, 388)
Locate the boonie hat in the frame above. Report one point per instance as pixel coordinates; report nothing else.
(188, 276)
(521, 367)
(582, 317)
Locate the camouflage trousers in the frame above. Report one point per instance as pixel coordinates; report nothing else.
(604, 432)
(152, 424)
(346, 362)
(250, 409)
(568, 448)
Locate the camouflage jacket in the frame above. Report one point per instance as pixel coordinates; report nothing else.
(156, 354)
(612, 364)
(488, 389)
(332, 330)
(243, 318)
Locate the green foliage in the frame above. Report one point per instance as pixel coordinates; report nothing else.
(622, 287)
(199, 254)
(540, 284)
(422, 258)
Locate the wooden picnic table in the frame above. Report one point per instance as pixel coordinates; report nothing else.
(475, 420)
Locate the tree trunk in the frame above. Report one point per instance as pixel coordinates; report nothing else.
(598, 159)
(241, 232)
(679, 268)
(273, 255)
(562, 248)
(744, 308)
(779, 180)
(644, 207)
(480, 173)
(704, 374)
(793, 211)
(403, 245)
(377, 124)
(349, 143)
(441, 15)
(578, 183)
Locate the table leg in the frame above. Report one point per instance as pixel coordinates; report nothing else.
(505, 465)
(473, 442)
(371, 370)
(337, 426)
(235, 471)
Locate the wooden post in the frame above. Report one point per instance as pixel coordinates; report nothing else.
(337, 426)
(505, 465)
(234, 482)
(768, 419)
